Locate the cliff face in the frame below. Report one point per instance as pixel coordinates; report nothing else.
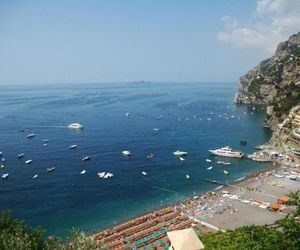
(275, 82)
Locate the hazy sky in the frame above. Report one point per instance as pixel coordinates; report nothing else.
(61, 41)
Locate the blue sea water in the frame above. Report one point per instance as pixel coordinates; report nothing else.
(64, 199)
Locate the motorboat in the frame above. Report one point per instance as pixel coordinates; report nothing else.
(208, 160)
(45, 140)
(144, 173)
(209, 168)
(73, 146)
(45, 145)
(30, 136)
(2, 166)
(19, 156)
(227, 152)
(49, 170)
(126, 153)
(75, 126)
(187, 176)
(182, 158)
(86, 158)
(180, 153)
(127, 114)
(4, 176)
(150, 156)
(35, 176)
(108, 175)
(223, 163)
(83, 172)
(156, 129)
(28, 162)
(226, 172)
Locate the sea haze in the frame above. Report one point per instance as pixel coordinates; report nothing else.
(192, 117)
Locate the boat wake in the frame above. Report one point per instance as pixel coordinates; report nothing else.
(164, 189)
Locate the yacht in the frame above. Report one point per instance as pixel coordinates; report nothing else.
(227, 151)
(126, 153)
(75, 126)
(83, 172)
(30, 136)
(73, 146)
(50, 169)
(180, 153)
(35, 176)
(86, 158)
(4, 176)
(28, 161)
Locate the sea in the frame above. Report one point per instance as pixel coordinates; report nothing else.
(191, 117)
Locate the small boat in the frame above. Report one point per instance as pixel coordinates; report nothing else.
(182, 158)
(180, 153)
(28, 162)
(211, 181)
(108, 175)
(35, 176)
(30, 136)
(45, 140)
(75, 126)
(144, 173)
(150, 156)
(45, 145)
(127, 114)
(2, 166)
(3, 159)
(223, 163)
(226, 172)
(101, 174)
(208, 160)
(209, 168)
(126, 153)
(4, 176)
(19, 156)
(49, 170)
(156, 129)
(73, 146)
(278, 175)
(293, 177)
(187, 176)
(1, 153)
(83, 172)
(86, 158)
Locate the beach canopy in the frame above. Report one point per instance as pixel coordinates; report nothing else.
(283, 199)
(276, 206)
(184, 239)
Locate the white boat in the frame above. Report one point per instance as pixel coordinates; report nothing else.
(108, 175)
(101, 174)
(28, 161)
(278, 175)
(144, 173)
(209, 168)
(49, 170)
(86, 158)
(3, 159)
(156, 129)
(83, 172)
(45, 140)
(208, 160)
(19, 156)
(182, 158)
(126, 153)
(4, 176)
(127, 114)
(73, 146)
(2, 166)
(226, 172)
(35, 176)
(180, 153)
(30, 136)
(45, 145)
(150, 156)
(226, 151)
(75, 126)
(187, 176)
(223, 163)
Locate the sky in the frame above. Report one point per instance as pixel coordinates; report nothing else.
(60, 41)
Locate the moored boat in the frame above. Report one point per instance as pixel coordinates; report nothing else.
(28, 162)
(51, 169)
(4, 176)
(75, 125)
(73, 146)
(86, 158)
(180, 153)
(126, 153)
(30, 136)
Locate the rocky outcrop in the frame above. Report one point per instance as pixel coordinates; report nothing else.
(275, 82)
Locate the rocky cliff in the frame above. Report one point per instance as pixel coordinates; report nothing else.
(275, 82)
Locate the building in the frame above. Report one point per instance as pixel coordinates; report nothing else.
(185, 239)
(296, 118)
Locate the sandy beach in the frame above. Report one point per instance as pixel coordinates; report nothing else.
(240, 203)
